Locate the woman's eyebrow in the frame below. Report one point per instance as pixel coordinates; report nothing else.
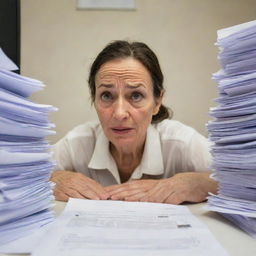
(105, 85)
(134, 86)
(129, 86)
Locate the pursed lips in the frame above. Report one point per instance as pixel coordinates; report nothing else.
(122, 129)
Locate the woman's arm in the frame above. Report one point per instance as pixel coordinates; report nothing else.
(76, 185)
(182, 187)
(70, 152)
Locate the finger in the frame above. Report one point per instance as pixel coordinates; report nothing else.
(70, 192)
(156, 195)
(74, 194)
(82, 194)
(119, 196)
(60, 196)
(116, 188)
(87, 187)
(89, 193)
(149, 197)
(118, 192)
(128, 184)
(124, 194)
(123, 188)
(77, 185)
(174, 198)
(113, 187)
(99, 190)
(136, 197)
(161, 195)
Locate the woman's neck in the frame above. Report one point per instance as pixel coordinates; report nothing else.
(126, 161)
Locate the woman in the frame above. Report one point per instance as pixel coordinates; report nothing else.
(135, 152)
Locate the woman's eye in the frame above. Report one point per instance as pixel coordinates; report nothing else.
(136, 96)
(106, 96)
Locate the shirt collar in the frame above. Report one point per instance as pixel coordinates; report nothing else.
(152, 159)
(102, 158)
(151, 162)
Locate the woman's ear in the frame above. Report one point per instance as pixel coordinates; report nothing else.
(158, 102)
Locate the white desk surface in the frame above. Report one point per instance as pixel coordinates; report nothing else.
(235, 241)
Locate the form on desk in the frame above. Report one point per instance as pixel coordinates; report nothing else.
(89, 227)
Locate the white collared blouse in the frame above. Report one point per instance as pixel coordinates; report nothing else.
(171, 147)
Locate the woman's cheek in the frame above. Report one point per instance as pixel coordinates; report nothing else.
(104, 113)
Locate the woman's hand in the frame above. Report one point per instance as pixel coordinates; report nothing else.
(76, 185)
(183, 187)
(131, 191)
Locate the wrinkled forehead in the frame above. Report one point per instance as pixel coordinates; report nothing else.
(123, 69)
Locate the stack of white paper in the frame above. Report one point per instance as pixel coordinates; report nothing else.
(25, 161)
(233, 131)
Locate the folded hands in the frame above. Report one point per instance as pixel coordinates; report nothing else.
(182, 187)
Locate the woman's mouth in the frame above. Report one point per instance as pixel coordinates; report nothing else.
(121, 130)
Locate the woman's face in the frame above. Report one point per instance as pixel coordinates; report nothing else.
(125, 102)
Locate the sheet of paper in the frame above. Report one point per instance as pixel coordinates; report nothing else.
(18, 100)
(117, 228)
(14, 128)
(18, 84)
(23, 227)
(7, 157)
(6, 62)
(244, 222)
(225, 32)
(22, 114)
(27, 243)
(233, 205)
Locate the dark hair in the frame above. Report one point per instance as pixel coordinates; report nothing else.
(141, 52)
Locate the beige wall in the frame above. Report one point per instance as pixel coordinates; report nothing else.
(58, 44)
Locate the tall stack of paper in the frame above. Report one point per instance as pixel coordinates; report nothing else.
(25, 161)
(233, 131)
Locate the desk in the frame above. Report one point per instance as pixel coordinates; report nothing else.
(235, 241)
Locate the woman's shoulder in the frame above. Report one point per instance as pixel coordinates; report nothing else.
(174, 130)
(85, 130)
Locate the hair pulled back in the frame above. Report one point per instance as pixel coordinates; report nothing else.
(123, 49)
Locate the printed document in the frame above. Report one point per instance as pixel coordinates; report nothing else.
(115, 228)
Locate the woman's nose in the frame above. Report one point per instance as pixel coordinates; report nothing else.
(120, 109)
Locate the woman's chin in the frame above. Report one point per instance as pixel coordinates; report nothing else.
(124, 142)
